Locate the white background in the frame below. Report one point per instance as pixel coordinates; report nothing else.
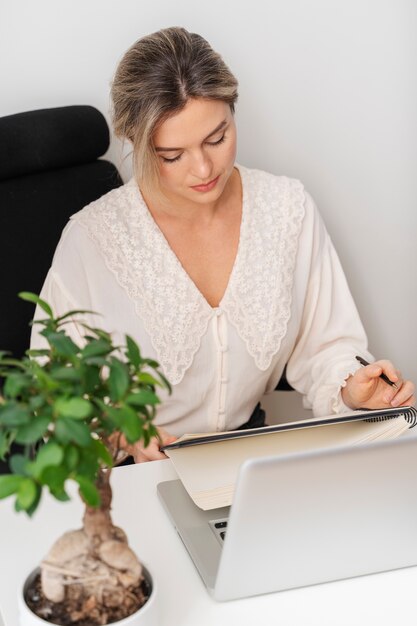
(328, 94)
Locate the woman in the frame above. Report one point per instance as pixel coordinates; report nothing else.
(221, 273)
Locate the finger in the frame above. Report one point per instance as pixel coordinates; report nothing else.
(410, 402)
(368, 374)
(389, 370)
(166, 437)
(141, 456)
(152, 451)
(405, 394)
(390, 392)
(167, 440)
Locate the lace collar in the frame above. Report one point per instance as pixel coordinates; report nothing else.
(175, 314)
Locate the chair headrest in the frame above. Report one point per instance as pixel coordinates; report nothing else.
(51, 138)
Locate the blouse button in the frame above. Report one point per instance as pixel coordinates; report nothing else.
(218, 312)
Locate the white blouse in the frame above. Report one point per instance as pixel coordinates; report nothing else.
(287, 303)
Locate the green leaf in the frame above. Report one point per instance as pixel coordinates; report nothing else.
(12, 415)
(88, 465)
(63, 345)
(75, 408)
(71, 457)
(148, 379)
(143, 397)
(66, 374)
(62, 496)
(133, 351)
(49, 454)
(35, 402)
(30, 511)
(19, 464)
(146, 437)
(147, 411)
(99, 361)
(90, 377)
(151, 363)
(73, 313)
(4, 444)
(9, 484)
(34, 353)
(88, 491)
(14, 363)
(119, 380)
(26, 494)
(103, 453)
(165, 381)
(131, 424)
(15, 383)
(43, 378)
(68, 430)
(97, 332)
(54, 478)
(96, 347)
(6, 440)
(32, 432)
(115, 415)
(32, 297)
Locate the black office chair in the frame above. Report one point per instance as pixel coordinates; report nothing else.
(49, 169)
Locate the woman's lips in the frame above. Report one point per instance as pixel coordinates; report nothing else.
(208, 187)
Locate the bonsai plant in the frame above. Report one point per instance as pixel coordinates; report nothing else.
(69, 408)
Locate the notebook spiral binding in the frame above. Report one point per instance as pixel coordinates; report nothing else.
(409, 412)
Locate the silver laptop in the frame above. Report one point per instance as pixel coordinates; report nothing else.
(304, 519)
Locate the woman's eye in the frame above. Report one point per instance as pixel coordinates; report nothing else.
(165, 160)
(218, 142)
(210, 143)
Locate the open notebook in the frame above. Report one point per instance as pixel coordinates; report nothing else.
(208, 463)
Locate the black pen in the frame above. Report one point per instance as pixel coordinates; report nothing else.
(382, 376)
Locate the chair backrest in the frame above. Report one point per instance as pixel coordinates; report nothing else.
(49, 169)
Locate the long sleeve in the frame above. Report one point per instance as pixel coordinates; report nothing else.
(65, 289)
(331, 332)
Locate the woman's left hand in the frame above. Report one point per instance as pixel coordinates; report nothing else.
(366, 390)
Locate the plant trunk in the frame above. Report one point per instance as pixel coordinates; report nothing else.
(92, 570)
(97, 521)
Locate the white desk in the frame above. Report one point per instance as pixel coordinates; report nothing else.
(381, 599)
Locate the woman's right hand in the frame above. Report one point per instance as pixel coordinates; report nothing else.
(152, 451)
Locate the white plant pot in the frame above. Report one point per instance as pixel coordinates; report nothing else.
(146, 616)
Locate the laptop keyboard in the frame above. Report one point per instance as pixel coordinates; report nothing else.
(219, 527)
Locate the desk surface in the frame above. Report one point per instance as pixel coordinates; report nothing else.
(386, 598)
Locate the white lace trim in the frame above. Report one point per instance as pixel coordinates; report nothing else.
(175, 314)
(259, 295)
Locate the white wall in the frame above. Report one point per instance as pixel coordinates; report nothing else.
(328, 94)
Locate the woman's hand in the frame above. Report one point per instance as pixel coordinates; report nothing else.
(366, 390)
(152, 451)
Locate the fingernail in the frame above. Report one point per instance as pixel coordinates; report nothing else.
(395, 402)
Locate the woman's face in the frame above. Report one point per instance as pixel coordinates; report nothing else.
(196, 152)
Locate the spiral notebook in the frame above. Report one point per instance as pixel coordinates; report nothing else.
(208, 463)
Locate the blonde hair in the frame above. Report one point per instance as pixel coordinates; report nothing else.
(155, 79)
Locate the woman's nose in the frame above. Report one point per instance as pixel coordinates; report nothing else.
(202, 167)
